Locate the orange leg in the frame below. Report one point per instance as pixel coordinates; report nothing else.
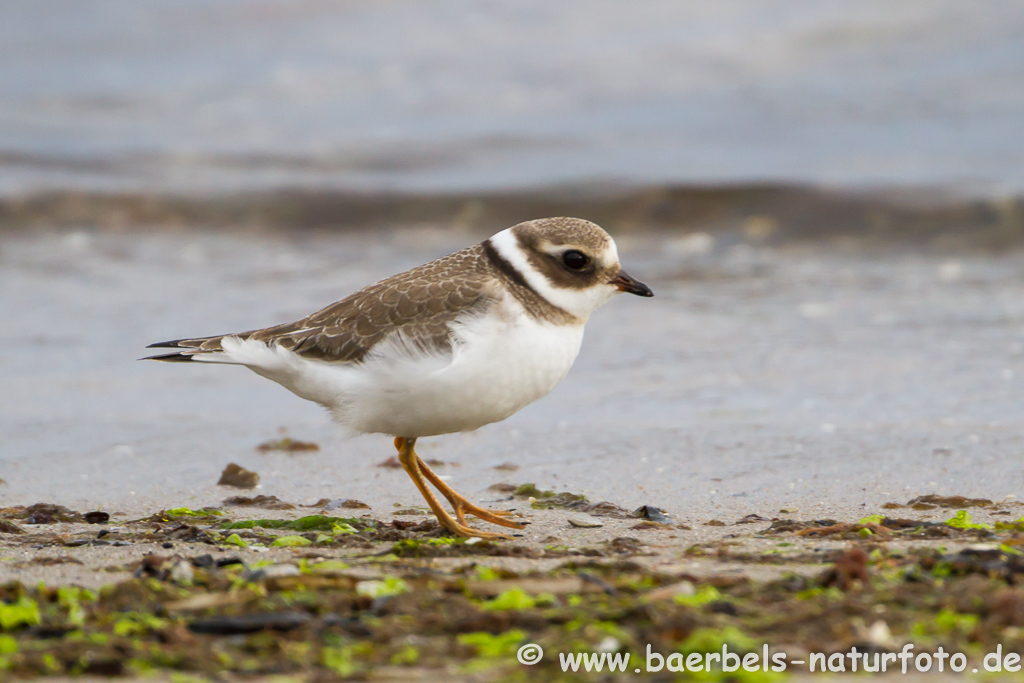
(411, 463)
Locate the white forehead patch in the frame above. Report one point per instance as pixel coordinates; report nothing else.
(578, 302)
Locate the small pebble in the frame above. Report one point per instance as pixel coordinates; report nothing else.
(672, 590)
(238, 477)
(182, 572)
(274, 571)
(585, 522)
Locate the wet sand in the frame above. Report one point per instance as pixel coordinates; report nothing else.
(822, 377)
(771, 388)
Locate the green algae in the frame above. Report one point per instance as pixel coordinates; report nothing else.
(23, 612)
(308, 523)
(188, 512)
(292, 541)
(962, 520)
(364, 609)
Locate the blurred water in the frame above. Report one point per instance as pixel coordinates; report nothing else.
(193, 95)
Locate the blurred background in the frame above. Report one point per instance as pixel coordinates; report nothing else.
(826, 197)
(196, 99)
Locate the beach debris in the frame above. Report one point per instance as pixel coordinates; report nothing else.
(785, 526)
(558, 500)
(507, 467)
(205, 601)
(585, 522)
(569, 585)
(7, 527)
(328, 504)
(265, 502)
(238, 477)
(48, 561)
(850, 568)
(41, 513)
(288, 445)
(191, 534)
(932, 501)
(181, 572)
(832, 529)
(250, 623)
(346, 503)
(291, 541)
(625, 545)
(540, 499)
(155, 566)
(962, 520)
(273, 571)
(977, 599)
(208, 561)
(97, 517)
(649, 512)
(669, 592)
(750, 519)
(308, 523)
(604, 509)
(988, 560)
(175, 514)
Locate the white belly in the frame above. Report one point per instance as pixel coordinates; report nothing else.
(501, 363)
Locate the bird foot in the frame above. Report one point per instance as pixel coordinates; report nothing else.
(466, 531)
(420, 473)
(463, 507)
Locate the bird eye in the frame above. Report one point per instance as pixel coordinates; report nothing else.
(574, 260)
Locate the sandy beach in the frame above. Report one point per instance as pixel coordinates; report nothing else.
(821, 377)
(771, 389)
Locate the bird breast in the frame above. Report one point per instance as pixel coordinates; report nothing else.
(501, 361)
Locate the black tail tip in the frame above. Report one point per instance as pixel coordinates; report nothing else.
(172, 344)
(170, 357)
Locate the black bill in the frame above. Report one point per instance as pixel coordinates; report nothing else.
(626, 283)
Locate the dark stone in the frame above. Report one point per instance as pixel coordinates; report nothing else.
(238, 477)
(250, 623)
(650, 512)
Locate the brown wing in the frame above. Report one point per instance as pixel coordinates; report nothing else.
(420, 303)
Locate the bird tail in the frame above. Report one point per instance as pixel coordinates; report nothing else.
(204, 349)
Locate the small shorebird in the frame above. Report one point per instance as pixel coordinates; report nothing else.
(450, 346)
